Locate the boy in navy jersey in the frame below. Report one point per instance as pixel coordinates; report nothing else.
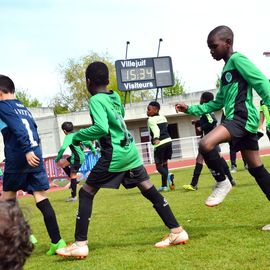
(24, 168)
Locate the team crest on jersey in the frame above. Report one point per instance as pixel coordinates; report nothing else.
(228, 77)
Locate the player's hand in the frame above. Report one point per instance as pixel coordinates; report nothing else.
(181, 107)
(157, 142)
(32, 159)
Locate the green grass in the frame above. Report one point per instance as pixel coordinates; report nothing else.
(124, 228)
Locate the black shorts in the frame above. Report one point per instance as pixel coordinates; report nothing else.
(28, 182)
(101, 177)
(241, 138)
(163, 153)
(74, 168)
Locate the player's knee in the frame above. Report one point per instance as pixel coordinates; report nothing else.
(205, 146)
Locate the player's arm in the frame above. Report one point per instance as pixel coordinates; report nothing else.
(66, 143)
(100, 126)
(90, 145)
(201, 109)
(152, 125)
(17, 127)
(254, 77)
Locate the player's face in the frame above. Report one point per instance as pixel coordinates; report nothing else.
(219, 48)
(151, 110)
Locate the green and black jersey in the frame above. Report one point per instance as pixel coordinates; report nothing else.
(158, 127)
(77, 153)
(118, 149)
(238, 78)
(264, 109)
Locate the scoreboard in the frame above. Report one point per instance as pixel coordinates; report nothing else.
(144, 73)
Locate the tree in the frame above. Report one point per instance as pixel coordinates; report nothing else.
(75, 97)
(176, 90)
(27, 100)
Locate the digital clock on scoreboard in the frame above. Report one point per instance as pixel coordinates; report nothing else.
(144, 73)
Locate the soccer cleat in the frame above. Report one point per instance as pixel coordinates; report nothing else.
(53, 247)
(266, 227)
(219, 193)
(233, 169)
(33, 239)
(173, 239)
(190, 188)
(171, 182)
(163, 189)
(233, 182)
(71, 199)
(74, 250)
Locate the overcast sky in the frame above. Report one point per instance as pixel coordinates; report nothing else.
(38, 36)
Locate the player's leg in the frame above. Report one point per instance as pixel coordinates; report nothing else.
(164, 175)
(178, 235)
(79, 248)
(207, 147)
(167, 154)
(196, 174)
(233, 159)
(227, 170)
(45, 207)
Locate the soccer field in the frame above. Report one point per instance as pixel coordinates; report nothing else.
(124, 228)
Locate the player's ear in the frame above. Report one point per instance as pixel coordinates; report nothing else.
(229, 41)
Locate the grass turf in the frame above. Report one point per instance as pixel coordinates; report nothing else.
(124, 227)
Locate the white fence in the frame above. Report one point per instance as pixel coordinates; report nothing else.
(182, 148)
(186, 148)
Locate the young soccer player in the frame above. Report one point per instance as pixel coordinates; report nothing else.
(264, 115)
(162, 143)
(15, 244)
(119, 163)
(24, 169)
(72, 164)
(239, 77)
(207, 123)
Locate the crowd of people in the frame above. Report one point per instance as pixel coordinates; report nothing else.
(24, 168)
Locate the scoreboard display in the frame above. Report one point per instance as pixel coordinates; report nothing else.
(144, 73)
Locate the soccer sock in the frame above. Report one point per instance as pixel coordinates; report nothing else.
(226, 169)
(162, 207)
(214, 163)
(233, 158)
(84, 214)
(73, 185)
(262, 178)
(67, 171)
(165, 166)
(164, 174)
(50, 220)
(196, 174)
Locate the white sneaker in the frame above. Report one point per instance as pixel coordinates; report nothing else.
(74, 250)
(71, 199)
(173, 239)
(266, 227)
(219, 193)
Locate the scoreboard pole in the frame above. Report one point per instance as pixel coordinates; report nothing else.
(161, 93)
(125, 99)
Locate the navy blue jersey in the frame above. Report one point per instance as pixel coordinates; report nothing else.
(20, 136)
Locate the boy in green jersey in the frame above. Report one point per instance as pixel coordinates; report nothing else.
(239, 77)
(264, 115)
(72, 164)
(119, 163)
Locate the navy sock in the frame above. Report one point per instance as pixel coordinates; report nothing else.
(226, 169)
(164, 174)
(73, 186)
(196, 174)
(84, 214)
(214, 163)
(50, 220)
(262, 178)
(162, 207)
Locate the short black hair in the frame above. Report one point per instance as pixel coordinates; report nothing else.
(154, 104)
(207, 96)
(6, 85)
(67, 126)
(223, 31)
(98, 73)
